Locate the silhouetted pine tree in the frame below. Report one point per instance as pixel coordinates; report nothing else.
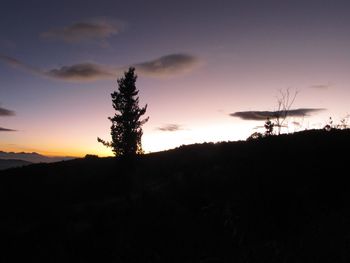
(126, 128)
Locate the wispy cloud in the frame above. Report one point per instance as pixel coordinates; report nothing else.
(263, 115)
(96, 29)
(6, 112)
(169, 65)
(13, 62)
(6, 130)
(82, 72)
(321, 86)
(296, 123)
(170, 128)
(77, 72)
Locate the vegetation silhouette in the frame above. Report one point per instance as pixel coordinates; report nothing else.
(269, 131)
(126, 128)
(197, 203)
(269, 125)
(285, 101)
(343, 124)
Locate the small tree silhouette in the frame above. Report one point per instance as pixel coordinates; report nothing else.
(285, 101)
(269, 127)
(126, 128)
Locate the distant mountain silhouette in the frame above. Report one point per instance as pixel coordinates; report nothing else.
(32, 157)
(276, 199)
(10, 163)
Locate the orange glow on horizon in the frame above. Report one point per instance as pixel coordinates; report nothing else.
(154, 140)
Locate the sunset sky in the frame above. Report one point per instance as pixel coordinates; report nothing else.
(203, 66)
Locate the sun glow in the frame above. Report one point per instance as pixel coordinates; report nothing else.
(159, 141)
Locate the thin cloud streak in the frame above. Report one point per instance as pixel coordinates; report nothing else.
(6, 130)
(168, 65)
(170, 128)
(263, 115)
(15, 63)
(5, 112)
(97, 29)
(82, 72)
(11, 61)
(321, 86)
(296, 123)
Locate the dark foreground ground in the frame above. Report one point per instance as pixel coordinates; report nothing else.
(278, 199)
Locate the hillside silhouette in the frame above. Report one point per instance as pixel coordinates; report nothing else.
(276, 199)
(11, 163)
(32, 157)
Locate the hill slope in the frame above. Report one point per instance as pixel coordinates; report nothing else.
(32, 157)
(11, 163)
(279, 199)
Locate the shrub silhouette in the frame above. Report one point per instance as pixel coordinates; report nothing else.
(269, 125)
(255, 136)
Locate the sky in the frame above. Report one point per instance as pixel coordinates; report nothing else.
(208, 70)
